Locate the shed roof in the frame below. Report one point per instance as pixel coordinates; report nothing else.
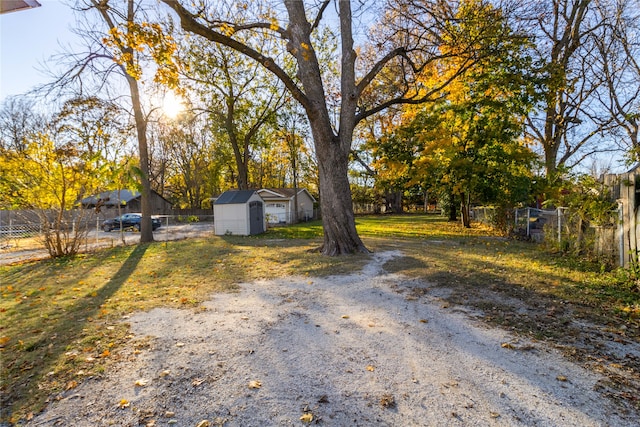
(231, 197)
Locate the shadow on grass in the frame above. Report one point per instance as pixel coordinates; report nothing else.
(26, 363)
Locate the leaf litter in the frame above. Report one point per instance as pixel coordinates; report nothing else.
(425, 364)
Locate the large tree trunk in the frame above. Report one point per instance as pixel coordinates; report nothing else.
(464, 210)
(146, 228)
(338, 221)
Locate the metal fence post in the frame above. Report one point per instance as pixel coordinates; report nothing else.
(559, 225)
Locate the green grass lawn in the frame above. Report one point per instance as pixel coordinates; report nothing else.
(60, 320)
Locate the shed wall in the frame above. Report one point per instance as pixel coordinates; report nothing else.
(231, 219)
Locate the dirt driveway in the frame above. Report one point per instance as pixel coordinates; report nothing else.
(354, 350)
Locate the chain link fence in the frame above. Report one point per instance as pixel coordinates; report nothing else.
(22, 232)
(566, 231)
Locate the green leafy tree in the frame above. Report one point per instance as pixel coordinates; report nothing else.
(240, 97)
(468, 144)
(57, 168)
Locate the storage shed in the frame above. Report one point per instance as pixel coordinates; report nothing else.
(239, 212)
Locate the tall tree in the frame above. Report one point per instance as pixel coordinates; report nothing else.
(567, 124)
(189, 156)
(238, 94)
(410, 44)
(119, 44)
(19, 122)
(468, 142)
(617, 60)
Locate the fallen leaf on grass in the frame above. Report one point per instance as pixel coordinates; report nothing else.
(255, 384)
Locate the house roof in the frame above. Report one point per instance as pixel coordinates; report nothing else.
(115, 197)
(281, 193)
(111, 198)
(15, 5)
(231, 197)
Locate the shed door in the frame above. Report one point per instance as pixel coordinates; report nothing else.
(256, 223)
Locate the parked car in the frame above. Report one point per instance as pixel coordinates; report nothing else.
(128, 220)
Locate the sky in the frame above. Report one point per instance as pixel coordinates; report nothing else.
(28, 38)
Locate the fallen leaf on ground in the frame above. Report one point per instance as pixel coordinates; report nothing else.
(306, 418)
(180, 344)
(165, 373)
(255, 384)
(561, 378)
(141, 382)
(203, 423)
(371, 368)
(507, 345)
(124, 403)
(387, 401)
(344, 316)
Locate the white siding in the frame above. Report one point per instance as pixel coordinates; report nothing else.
(234, 218)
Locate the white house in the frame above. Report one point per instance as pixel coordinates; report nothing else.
(239, 212)
(280, 205)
